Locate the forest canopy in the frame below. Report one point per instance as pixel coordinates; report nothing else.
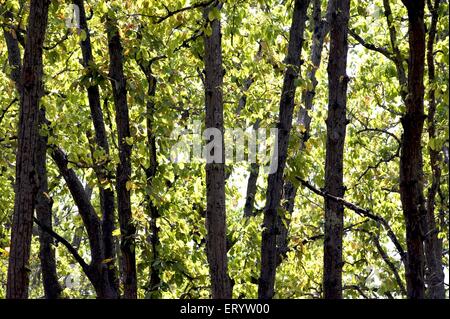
(224, 149)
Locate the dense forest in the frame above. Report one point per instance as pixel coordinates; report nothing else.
(224, 149)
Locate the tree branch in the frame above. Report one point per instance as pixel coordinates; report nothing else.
(370, 46)
(362, 212)
(174, 12)
(70, 248)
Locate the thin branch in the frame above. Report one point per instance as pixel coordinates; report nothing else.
(5, 110)
(69, 247)
(174, 12)
(387, 260)
(357, 288)
(362, 212)
(64, 38)
(398, 59)
(370, 46)
(381, 131)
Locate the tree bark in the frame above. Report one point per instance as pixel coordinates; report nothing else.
(411, 171)
(433, 245)
(52, 288)
(101, 139)
(44, 202)
(127, 229)
(215, 172)
(26, 171)
(275, 180)
(290, 191)
(150, 173)
(334, 159)
(98, 273)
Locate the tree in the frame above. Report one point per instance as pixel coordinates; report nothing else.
(101, 141)
(27, 183)
(336, 128)
(216, 249)
(123, 175)
(275, 181)
(411, 171)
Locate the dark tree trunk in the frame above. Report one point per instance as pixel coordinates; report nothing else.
(251, 189)
(127, 229)
(411, 172)
(433, 244)
(150, 172)
(215, 172)
(44, 203)
(275, 180)
(98, 269)
(26, 171)
(101, 139)
(52, 288)
(254, 167)
(334, 161)
(290, 191)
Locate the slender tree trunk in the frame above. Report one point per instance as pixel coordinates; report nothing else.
(26, 171)
(254, 167)
(433, 245)
(101, 139)
(52, 288)
(275, 180)
(320, 27)
(215, 172)
(411, 171)
(98, 269)
(251, 188)
(118, 83)
(334, 161)
(150, 173)
(44, 203)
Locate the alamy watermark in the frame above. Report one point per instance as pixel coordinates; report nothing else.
(72, 14)
(210, 145)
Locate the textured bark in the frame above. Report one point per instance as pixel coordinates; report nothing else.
(215, 172)
(52, 288)
(101, 139)
(433, 245)
(411, 171)
(290, 191)
(26, 175)
(334, 159)
(275, 180)
(118, 83)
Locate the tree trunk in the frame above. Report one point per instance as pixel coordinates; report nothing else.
(150, 172)
(275, 180)
(98, 269)
(215, 172)
(101, 139)
(26, 171)
(334, 160)
(44, 203)
(127, 229)
(411, 171)
(433, 244)
(52, 288)
(320, 27)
